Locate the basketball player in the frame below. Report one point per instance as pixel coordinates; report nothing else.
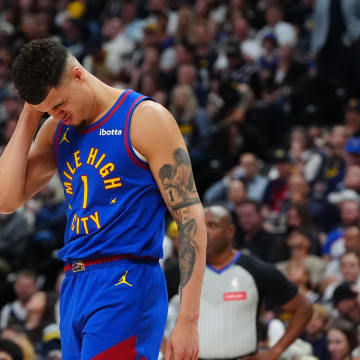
(234, 286)
(121, 160)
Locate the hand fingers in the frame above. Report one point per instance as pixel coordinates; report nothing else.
(196, 355)
(183, 354)
(169, 351)
(193, 355)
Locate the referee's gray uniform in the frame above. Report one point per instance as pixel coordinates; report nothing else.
(230, 302)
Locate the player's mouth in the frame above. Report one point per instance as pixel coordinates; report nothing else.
(67, 120)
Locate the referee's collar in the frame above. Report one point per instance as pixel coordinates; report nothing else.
(219, 271)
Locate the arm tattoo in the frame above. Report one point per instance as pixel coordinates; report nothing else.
(187, 251)
(179, 186)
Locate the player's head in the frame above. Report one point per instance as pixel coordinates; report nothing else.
(38, 68)
(220, 230)
(51, 80)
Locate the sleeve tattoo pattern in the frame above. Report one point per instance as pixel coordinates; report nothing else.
(179, 186)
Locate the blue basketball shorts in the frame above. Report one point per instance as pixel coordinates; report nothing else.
(113, 310)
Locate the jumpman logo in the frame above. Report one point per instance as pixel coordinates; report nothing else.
(123, 280)
(64, 138)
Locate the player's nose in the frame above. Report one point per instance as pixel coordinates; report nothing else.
(57, 114)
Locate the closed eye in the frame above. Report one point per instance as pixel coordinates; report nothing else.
(58, 105)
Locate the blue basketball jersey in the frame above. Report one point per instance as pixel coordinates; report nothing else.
(113, 203)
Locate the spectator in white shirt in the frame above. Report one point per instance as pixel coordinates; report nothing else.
(15, 312)
(284, 31)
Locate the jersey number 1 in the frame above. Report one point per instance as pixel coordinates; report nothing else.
(84, 179)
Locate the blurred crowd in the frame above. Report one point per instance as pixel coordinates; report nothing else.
(266, 95)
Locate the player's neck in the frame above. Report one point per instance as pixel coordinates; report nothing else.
(221, 260)
(104, 98)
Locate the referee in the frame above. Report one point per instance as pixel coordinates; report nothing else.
(234, 285)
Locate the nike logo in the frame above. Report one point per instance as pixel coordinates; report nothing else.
(123, 280)
(64, 138)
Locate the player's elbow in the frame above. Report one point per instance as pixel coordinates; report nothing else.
(7, 209)
(8, 204)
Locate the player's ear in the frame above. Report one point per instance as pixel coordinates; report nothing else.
(77, 73)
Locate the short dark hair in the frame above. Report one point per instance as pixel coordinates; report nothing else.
(256, 204)
(12, 349)
(27, 273)
(343, 291)
(350, 252)
(38, 67)
(301, 231)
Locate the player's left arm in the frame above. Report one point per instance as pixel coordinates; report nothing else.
(156, 135)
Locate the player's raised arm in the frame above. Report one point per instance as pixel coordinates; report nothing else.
(25, 167)
(155, 134)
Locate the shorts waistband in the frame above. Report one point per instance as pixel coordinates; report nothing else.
(81, 265)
